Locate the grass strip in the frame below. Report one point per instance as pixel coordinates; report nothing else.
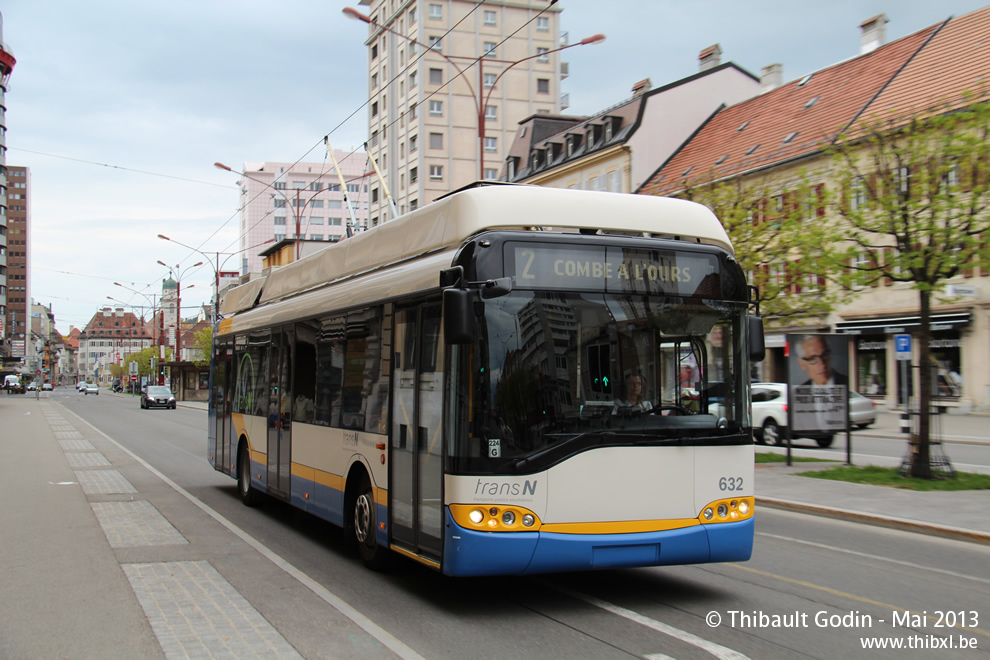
(891, 478)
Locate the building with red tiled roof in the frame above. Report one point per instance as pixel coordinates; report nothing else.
(792, 122)
(767, 145)
(109, 337)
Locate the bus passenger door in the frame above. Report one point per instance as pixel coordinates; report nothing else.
(280, 413)
(416, 481)
(222, 382)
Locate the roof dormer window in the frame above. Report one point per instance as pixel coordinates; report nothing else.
(752, 150)
(742, 126)
(687, 171)
(804, 81)
(608, 130)
(722, 159)
(790, 137)
(812, 102)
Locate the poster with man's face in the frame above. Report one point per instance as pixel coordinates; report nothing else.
(818, 381)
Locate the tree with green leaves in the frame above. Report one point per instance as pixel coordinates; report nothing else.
(203, 343)
(781, 240)
(915, 200)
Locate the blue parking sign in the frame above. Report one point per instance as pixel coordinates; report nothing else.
(902, 346)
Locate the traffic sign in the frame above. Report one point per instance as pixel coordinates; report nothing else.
(902, 346)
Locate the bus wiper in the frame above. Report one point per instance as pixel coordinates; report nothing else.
(601, 436)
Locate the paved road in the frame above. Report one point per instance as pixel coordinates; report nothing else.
(272, 582)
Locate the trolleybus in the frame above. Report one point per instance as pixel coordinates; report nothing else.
(451, 385)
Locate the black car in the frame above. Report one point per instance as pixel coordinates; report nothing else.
(157, 396)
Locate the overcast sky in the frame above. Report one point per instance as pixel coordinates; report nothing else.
(121, 107)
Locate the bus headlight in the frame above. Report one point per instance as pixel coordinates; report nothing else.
(708, 513)
(723, 510)
(477, 516)
(528, 520)
(508, 518)
(744, 507)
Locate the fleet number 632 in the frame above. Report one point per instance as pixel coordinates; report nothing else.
(730, 483)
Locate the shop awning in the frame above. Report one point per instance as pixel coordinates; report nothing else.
(901, 324)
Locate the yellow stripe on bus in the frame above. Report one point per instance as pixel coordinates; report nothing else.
(619, 527)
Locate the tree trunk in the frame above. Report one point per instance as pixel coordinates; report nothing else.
(921, 466)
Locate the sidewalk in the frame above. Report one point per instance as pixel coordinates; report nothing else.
(102, 556)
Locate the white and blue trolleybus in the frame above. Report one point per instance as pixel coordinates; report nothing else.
(510, 380)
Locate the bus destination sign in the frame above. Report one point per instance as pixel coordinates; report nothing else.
(613, 269)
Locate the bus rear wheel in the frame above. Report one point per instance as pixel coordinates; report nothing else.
(364, 526)
(249, 496)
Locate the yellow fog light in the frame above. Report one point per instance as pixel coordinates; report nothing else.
(477, 516)
(492, 522)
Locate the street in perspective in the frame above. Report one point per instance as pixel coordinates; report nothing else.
(433, 329)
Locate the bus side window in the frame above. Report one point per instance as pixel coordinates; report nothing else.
(329, 370)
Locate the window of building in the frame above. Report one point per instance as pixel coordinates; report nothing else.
(412, 80)
(436, 44)
(279, 237)
(436, 172)
(491, 144)
(413, 204)
(491, 174)
(280, 203)
(542, 54)
(280, 185)
(374, 81)
(436, 11)
(436, 108)
(491, 112)
(543, 23)
(542, 85)
(374, 195)
(489, 49)
(490, 18)
(489, 80)
(314, 220)
(316, 204)
(316, 237)
(412, 111)
(374, 109)
(374, 51)
(436, 140)
(298, 185)
(412, 144)
(413, 174)
(412, 16)
(615, 181)
(436, 77)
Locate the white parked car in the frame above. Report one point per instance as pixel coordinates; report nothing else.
(770, 416)
(862, 411)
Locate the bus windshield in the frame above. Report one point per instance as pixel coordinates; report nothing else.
(558, 373)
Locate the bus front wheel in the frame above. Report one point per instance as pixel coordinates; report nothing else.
(364, 525)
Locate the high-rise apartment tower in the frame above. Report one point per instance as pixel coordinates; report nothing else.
(7, 62)
(426, 103)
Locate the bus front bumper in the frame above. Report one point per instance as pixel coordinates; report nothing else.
(468, 552)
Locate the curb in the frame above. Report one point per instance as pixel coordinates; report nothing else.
(891, 522)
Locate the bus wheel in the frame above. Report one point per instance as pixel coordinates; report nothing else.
(364, 525)
(249, 496)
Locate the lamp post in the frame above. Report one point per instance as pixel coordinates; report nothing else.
(480, 103)
(297, 210)
(216, 269)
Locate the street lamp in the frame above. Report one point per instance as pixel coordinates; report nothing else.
(216, 269)
(480, 103)
(297, 209)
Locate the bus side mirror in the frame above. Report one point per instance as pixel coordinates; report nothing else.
(757, 343)
(458, 316)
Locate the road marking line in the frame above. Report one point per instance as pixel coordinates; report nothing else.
(321, 592)
(844, 594)
(877, 557)
(716, 650)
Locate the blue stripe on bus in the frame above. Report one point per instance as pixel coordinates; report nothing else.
(468, 552)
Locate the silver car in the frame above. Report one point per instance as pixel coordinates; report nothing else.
(91, 388)
(862, 411)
